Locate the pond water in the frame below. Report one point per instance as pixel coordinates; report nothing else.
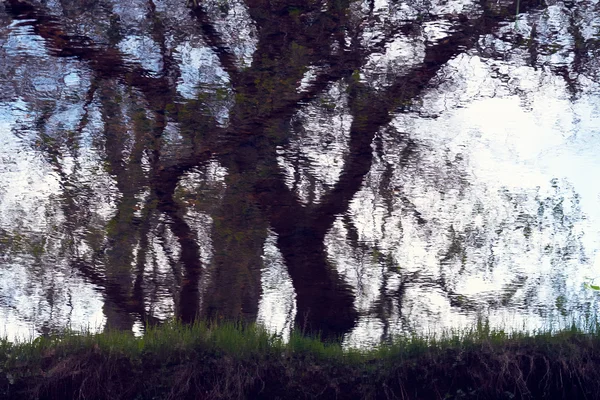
(361, 169)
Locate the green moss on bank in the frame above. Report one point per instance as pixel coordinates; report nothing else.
(230, 361)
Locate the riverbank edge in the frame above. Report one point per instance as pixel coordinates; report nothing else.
(233, 361)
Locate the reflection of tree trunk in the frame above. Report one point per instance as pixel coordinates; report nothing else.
(121, 240)
(325, 303)
(189, 296)
(238, 234)
(142, 251)
(126, 230)
(116, 317)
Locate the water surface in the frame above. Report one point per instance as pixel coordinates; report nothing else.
(368, 170)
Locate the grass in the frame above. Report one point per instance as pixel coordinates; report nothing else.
(235, 361)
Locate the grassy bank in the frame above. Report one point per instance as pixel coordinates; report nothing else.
(234, 362)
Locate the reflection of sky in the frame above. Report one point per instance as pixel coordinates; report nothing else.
(277, 308)
(199, 65)
(524, 142)
(22, 40)
(26, 180)
(29, 189)
(144, 50)
(22, 314)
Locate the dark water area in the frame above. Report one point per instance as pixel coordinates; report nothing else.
(355, 168)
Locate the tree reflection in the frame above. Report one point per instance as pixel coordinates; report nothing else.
(149, 138)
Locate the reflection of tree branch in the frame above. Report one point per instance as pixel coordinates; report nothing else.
(170, 68)
(213, 39)
(113, 291)
(273, 45)
(373, 110)
(106, 62)
(385, 303)
(83, 121)
(174, 285)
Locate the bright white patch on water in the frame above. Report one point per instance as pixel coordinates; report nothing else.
(202, 224)
(315, 158)
(26, 181)
(23, 41)
(309, 76)
(236, 28)
(138, 329)
(277, 306)
(367, 334)
(29, 209)
(87, 307)
(451, 7)
(144, 50)
(72, 79)
(436, 30)
(81, 310)
(382, 69)
(199, 66)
